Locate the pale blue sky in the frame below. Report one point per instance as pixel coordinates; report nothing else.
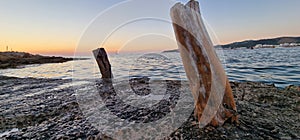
(56, 26)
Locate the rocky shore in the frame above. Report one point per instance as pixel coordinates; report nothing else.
(48, 109)
(15, 59)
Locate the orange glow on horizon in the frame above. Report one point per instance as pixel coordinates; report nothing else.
(143, 44)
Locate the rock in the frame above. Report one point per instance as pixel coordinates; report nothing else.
(275, 131)
(292, 87)
(223, 136)
(297, 108)
(285, 138)
(62, 137)
(15, 59)
(62, 119)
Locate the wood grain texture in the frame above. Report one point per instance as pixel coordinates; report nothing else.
(214, 102)
(103, 63)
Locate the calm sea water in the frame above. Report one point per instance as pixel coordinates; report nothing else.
(280, 66)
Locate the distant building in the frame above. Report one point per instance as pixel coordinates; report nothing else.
(264, 46)
(294, 44)
(258, 46)
(290, 45)
(268, 46)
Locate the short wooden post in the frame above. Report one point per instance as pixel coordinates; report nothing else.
(103, 63)
(214, 102)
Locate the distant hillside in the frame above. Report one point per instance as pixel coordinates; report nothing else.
(171, 51)
(252, 43)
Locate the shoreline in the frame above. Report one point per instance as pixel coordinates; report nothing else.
(289, 87)
(47, 109)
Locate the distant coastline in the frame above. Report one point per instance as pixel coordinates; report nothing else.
(171, 51)
(280, 42)
(264, 43)
(12, 59)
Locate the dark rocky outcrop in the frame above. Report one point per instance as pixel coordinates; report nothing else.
(15, 59)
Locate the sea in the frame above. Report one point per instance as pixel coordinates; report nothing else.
(279, 66)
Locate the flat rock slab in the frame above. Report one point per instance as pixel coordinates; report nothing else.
(48, 109)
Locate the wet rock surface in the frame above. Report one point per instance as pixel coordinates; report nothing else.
(48, 109)
(41, 109)
(140, 114)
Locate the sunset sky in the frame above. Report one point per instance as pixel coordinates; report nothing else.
(62, 27)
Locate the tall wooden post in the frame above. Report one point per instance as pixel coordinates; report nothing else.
(103, 63)
(214, 102)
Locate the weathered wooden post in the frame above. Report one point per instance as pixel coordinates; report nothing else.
(103, 63)
(214, 102)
